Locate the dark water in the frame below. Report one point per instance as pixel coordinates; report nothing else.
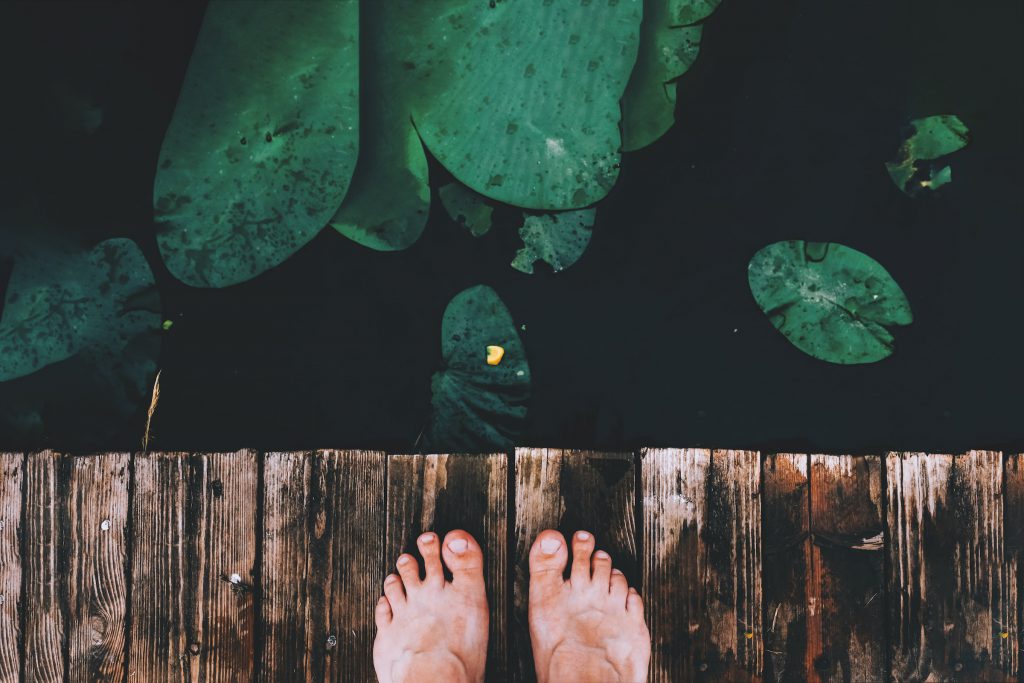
(653, 337)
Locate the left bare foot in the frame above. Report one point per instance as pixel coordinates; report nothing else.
(431, 629)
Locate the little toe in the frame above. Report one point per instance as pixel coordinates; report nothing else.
(601, 566)
(382, 613)
(409, 570)
(394, 591)
(582, 548)
(548, 556)
(634, 604)
(464, 559)
(619, 587)
(428, 545)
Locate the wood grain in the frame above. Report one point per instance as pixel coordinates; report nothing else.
(322, 539)
(569, 491)
(702, 530)
(46, 566)
(98, 512)
(12, 469)
(445, 492)
(159, 633)
(846, 583)
(948, 583)
(223, 503)
(787, 559)
(1014, 525)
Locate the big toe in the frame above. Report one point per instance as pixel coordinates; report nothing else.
(548, 557)
(464, 559)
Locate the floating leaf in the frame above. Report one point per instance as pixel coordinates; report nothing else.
(467, 208)
(79, 335)
(263, 141)
(668, 48)
(478, 406)
(520, 100)
(933, 137)
(832, 302)
(558, 239)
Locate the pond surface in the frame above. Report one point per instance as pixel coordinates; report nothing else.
(653, 338)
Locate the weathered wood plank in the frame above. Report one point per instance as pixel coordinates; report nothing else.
(702, 526)
(787, 559)
(12, 469)
(224, 502)
(159, 647)
(47, 568)
(1014, 525)
(98, 511)
(846, 583)
(948, 592)
(568, 491)
(445, 492)
(322, 572)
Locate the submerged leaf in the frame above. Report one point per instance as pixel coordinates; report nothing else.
(477, 406)
(79, 336)
(558, 239)
(668, 48)
(388, 202)
(520, 100)
(263, 142)
(832, 302)
(933, 137)
(467, 208)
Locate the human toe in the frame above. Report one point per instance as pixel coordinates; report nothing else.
(464, 558)
(382, 613)
(548, 556)
(582, 549)
(428, 547)
(394, 591)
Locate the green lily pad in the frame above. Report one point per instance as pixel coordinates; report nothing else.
(388, 202)
(830, 301)
(520, 100)
(263, 142)
(668, 48)
(933, 137)
(79, 339)
(467, 208)
(475, 406)
(558, 239)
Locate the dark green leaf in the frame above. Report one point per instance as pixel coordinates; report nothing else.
(933, 137)
(558, 239)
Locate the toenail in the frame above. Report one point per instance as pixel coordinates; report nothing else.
(427, 538)
(391, 578)
(458, 545)
(404, 559)
(616, 571)
(582, 535)
(602, 555)
(550, 545)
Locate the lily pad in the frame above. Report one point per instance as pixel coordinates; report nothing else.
(520, 100)
(80, 329)
(467, 208)
(669, 45)
(558, 239)
(830, 301)
(933, 137)
(263, 142)
(476, 406)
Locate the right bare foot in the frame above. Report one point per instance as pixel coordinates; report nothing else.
(587, 629)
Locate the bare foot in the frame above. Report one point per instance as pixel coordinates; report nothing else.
(587, 629)
(431, 629)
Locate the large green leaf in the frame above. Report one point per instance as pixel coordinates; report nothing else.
(476, 406)
(559, 239)
(520, 100)
(263, 141)
(668, 48)
(933, 137)
(79, 329)
(832, 302)
(388, 202)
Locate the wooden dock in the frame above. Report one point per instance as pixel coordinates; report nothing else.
(266, 566)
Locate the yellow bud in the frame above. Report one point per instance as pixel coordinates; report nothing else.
(495, 354)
